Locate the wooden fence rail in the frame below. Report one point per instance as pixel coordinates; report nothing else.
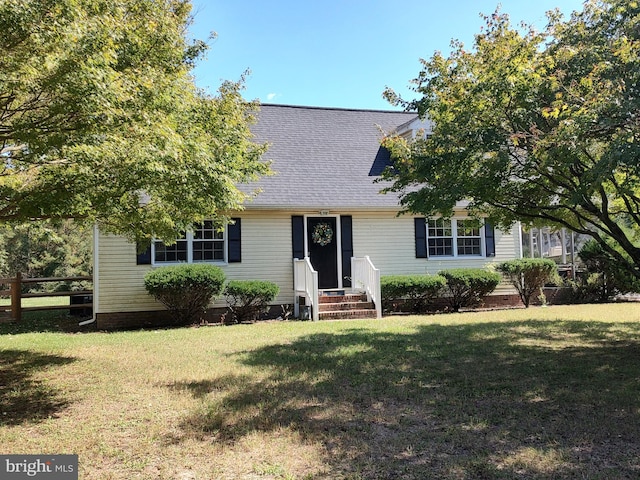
(16, 295)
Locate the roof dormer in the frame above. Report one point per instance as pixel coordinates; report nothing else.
(415, 128)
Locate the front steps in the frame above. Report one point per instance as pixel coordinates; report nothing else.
(335, 305)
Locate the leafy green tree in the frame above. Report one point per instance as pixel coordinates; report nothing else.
(534, 126)
(46, 249)
(100, 119)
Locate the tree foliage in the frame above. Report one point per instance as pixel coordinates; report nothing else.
(46, 249)
(605, 278)
(542, 127)
(100, 119)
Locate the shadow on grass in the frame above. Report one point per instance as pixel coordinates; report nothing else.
(24, 398)
(533, 399)
(45, 321)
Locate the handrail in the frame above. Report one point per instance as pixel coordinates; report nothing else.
(367, 277)
(305, 282)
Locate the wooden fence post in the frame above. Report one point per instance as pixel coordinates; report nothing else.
(16, 297)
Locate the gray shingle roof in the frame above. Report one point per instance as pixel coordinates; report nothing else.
(324, 158)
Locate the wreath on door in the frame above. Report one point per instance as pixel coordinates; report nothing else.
(322, 234)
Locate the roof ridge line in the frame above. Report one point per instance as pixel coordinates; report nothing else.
(311, 107)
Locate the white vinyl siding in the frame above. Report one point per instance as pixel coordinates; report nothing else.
(266, 255)
(387, 239)
(390, 243)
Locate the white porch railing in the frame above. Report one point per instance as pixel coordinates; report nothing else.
(365, 276)
(305, 283)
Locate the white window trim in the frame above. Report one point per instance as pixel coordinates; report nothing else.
(189, 239)
(454, 233)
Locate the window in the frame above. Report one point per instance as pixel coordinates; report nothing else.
(205, 244)
(469, 240)
(178, 252)
(208, 243)
(453, 238)
(440, 238)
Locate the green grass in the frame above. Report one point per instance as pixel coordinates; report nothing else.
(37, 302)
(534, 394)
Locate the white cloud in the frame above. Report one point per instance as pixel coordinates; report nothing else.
(271, 96)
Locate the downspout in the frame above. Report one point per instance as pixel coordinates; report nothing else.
(95, 278)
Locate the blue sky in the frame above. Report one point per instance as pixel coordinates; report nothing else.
(336, 53)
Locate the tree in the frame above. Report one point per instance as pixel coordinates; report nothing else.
(542, 127)
(46, 249)
(100, 119)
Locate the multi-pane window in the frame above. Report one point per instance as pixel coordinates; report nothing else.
(444, 234)
(469, 240)
(208, 243)
(170, 253)
(204, 244)
(440, 238)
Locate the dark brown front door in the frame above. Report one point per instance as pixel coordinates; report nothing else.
(323, 249)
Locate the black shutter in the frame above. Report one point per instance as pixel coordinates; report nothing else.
(297, 236)
(143, 258)
(421, 237)
(234, 243)
(489, 239)
(346, 232)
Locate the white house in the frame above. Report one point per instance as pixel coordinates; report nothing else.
(321, 215)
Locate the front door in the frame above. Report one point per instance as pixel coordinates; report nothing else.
(322, 246)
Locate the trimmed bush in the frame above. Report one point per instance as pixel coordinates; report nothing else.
(466, 287)
(529, 275)
(416, 291)
(247, 299)
(606, 276)
(186, 290)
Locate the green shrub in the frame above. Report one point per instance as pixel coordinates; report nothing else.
(529, 275)
(589, 288)
(606, 276)
(186, 290)
(415, 291)
(247, 299)
(466, 287)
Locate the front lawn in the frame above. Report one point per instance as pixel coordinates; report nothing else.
(538, 393)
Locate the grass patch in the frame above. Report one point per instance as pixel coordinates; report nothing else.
(44, 321)
(37, 302)
(538, 393)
